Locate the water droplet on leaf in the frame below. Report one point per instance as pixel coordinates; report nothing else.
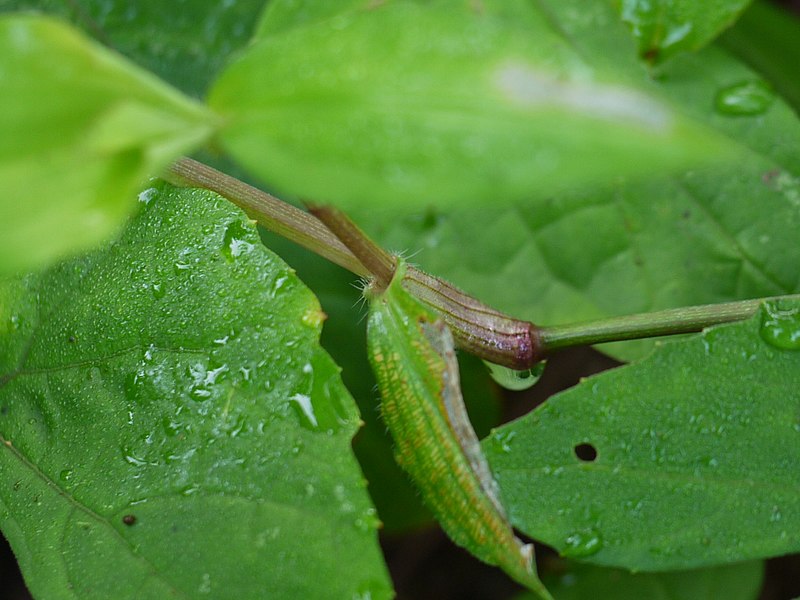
(147, 195)
(159, 290)
(235, 242)
(580, 544)
(747, 98)
(502, 440)
(305, 411)
(515, 380)
(780, 327)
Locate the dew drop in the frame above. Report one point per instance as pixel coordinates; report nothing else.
(235, 241)
(368, 521)
(279, 282)
(776, 515)
(580, 544)
(171, 428)
(502, 440)
(746, 98)
(180, 266)
(305, 411)
(159, 290)
(131, 459)
(147, 195)
(780, 327)
(515, 380)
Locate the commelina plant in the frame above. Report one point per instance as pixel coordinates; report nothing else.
(610, 170)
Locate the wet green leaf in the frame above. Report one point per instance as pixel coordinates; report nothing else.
(586, 582)
(664, 28)
(171, 425)
(78, 135)
(339, 109)
(768, 38)
(694, 454)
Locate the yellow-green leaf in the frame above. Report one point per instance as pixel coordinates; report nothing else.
(81, 129)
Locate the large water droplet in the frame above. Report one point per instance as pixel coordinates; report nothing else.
(235, 242)
(515, 380)
(305, 411)
(147, 195)
(582, 543)
(746, 98)
(780, 327)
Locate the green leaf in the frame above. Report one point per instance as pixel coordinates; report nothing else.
(703, 236)
(80, 130)
(732, 582)
(169, 416)
(696, 452)
(339, 109)
(768, 38)
(282, 15)
(398, 503)
(664, 28)
(185, 47)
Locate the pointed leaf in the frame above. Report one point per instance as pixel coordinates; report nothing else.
(80, 130)
(171, 425)
(687, 458)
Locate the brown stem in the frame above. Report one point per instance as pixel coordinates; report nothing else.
(270, 212)
(477, 328)
(380, 263)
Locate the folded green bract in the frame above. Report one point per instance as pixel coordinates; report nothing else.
(411, 353)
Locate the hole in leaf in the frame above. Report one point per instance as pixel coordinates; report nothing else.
(585, 452)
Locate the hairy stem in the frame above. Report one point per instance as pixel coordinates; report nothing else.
(380, 263)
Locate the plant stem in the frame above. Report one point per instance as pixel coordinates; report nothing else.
(380, 263)
(477, 328)
(276, 215)
(689, 319)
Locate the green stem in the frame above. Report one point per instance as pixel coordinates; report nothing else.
(689, 319)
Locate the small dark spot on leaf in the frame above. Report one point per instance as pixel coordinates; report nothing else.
(4, 409)
(17, 485)
(686, 214)
(651, 55)
(129, 519)
(72, 339)
(770, 175)
(585, 452)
